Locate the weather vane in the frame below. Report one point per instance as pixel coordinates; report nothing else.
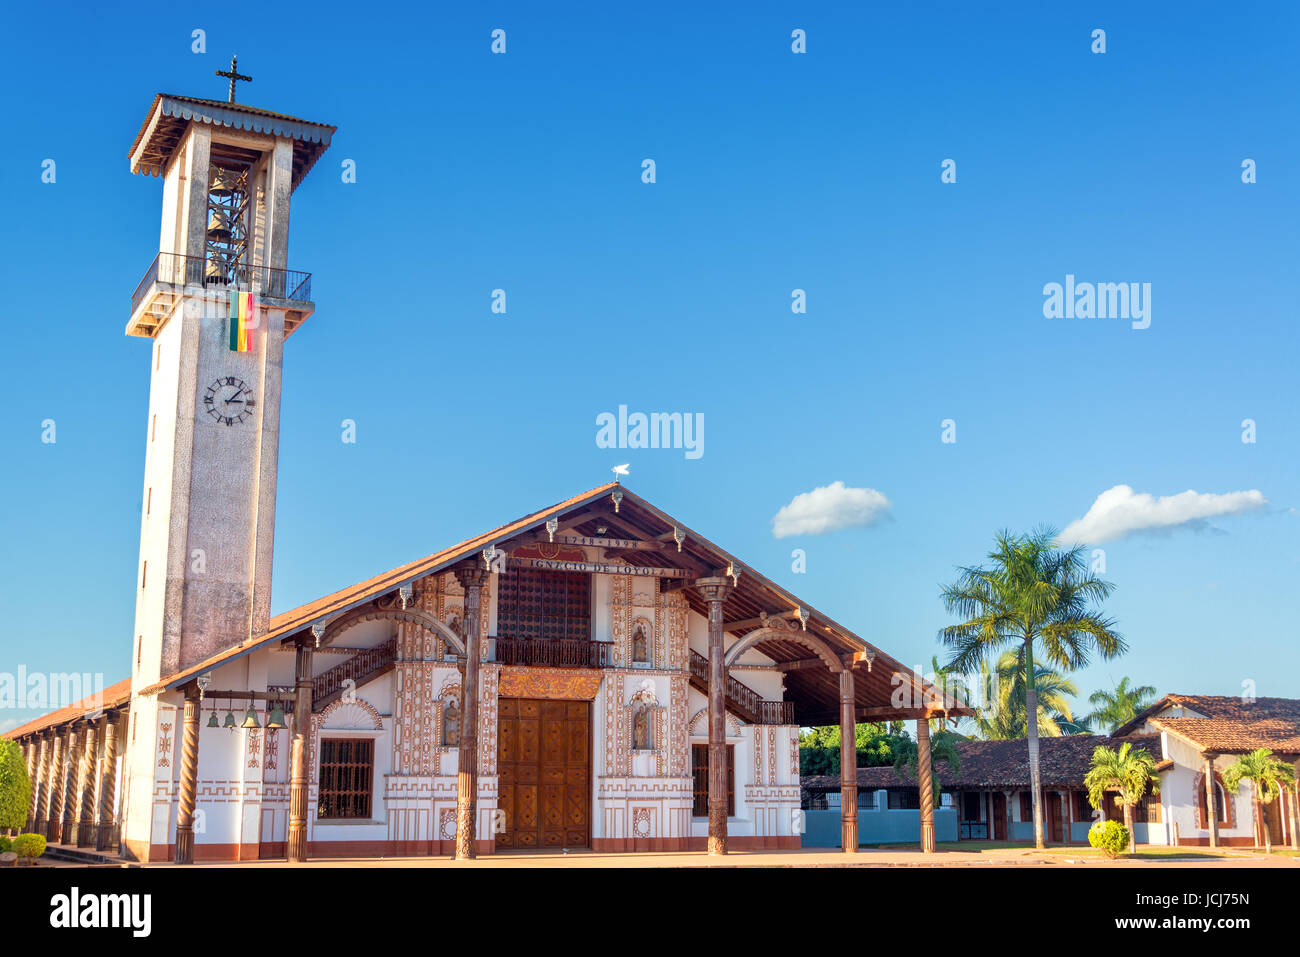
(234, 76)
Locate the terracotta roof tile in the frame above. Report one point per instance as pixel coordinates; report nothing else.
(1224, 707)
(110, 697)
(1235, 736)
(1003, 765)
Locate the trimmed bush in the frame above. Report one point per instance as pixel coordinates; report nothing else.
(6, 844)
(1109, 837)
(29, 846)
(15, 787)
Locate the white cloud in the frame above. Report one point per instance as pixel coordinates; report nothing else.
(829, 508)
(1120, 511)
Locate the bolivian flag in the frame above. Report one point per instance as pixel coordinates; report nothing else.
(243, 320)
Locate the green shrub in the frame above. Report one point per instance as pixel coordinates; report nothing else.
(15, 787)
(5, 844)
(1109, 837)
(29, 846)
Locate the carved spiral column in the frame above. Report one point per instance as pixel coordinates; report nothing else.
(30, 753)
(848, 766)
(86, 783)
(71, 799)
(472, 578)
(925, 778)
(40, 792)
(49, 773)
(189, 777)
(1211, 802)
(107, 784)
(1295, 816)
(298, 783)
(715, 592)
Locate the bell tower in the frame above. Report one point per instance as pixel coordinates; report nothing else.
(218, 302)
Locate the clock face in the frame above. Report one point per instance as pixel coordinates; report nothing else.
(229, 400)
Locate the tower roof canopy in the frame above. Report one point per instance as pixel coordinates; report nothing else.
(171, 114)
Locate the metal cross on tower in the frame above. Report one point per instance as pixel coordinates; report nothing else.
(234, 76)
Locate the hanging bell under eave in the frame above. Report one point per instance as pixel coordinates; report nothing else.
(212, 721)
(230, 721)
(275, 721)
(250, 719)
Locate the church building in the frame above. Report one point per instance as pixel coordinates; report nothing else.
(595, 675)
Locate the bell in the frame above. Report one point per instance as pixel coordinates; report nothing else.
(218, 227)
(212, 721)
(230, 721)
(276, 719)
(223, 182)
(250, 719)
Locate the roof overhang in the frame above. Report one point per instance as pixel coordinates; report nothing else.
(884, 689)
(170, 115)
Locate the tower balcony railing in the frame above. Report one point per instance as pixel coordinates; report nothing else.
(180, 272)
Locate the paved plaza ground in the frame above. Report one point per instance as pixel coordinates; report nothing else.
(947, 855)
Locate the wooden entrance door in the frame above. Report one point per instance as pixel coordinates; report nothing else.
(999, 816)
(1055, 818)
(1273, 821)
(544, 764)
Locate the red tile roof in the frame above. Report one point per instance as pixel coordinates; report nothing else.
(1226, 724)
(110, 697)
(1003, 765)
(1225, 736)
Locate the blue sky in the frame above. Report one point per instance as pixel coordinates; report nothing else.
(775, 171)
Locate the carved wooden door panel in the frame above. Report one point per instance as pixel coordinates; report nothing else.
(999, 816)
(543, 763)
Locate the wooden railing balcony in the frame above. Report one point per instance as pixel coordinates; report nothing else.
(361, 667)
(552, 652)
(741, 698)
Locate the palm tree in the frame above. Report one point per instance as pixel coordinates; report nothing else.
(1267, 776)
(1128, 770)
(1032, 592)
(943, 747)
(1114, 708)
(1004, 718)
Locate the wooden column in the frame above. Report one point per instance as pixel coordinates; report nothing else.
(86, 786)
(715, 591)
(31, 748)
(473, 577)
(1211, 808)
(925, 779)
(848, 766)
(299, 786)
(48, 761)
(70, 803)
(1295, 817)
(40, 794)
(107, 785)
(189, 777)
